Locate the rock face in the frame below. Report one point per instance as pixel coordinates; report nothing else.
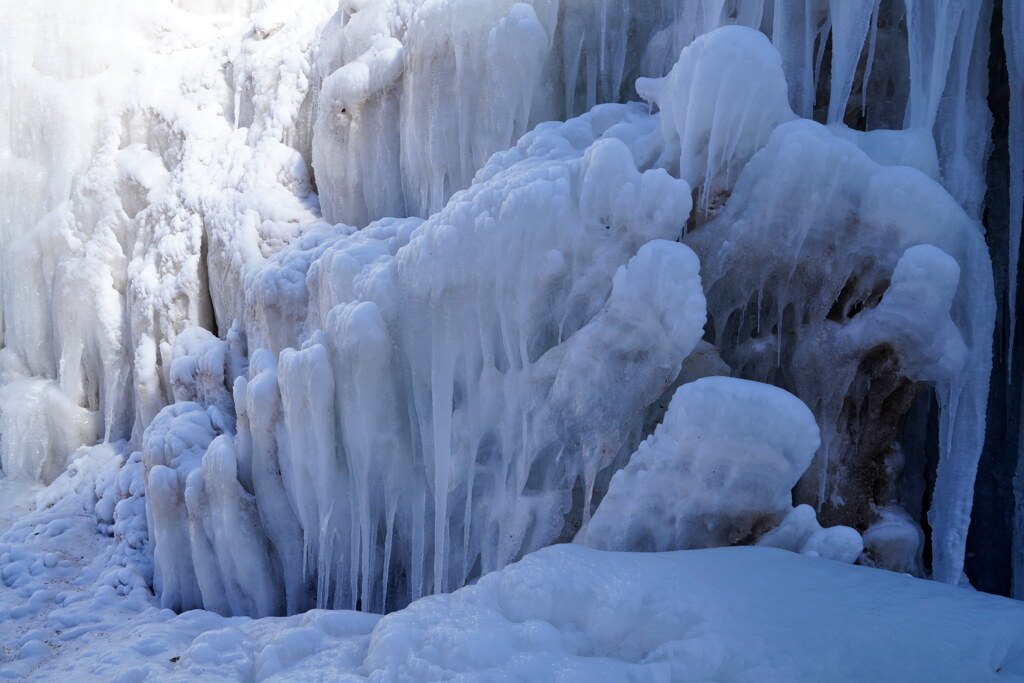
(378, 297)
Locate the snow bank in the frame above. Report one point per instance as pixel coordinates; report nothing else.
(734, 613)
(564, 612)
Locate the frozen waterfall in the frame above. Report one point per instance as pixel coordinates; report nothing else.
(364, 300)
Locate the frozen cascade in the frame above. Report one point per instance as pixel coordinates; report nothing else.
(389, 527)
(418, 446)
(433, 359)
(835, 298)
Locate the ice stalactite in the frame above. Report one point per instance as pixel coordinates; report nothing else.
(798, 32)
(948, 49)
(932, 32)
(851, 23)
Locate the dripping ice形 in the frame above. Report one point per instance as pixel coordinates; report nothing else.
(374, 298)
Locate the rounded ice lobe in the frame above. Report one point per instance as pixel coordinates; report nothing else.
(721, 464)
(666, 276)
(801, 533)
(719, 104)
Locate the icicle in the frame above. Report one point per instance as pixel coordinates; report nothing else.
(389, 540)
(820, 43)
(963, 124)
(872, 40)
(932, 27)
(571, 56)
(850, 23)
(1013, 41)
(793, 34)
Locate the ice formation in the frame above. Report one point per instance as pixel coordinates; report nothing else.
(425, 434)
(722, 463)
(877, 279)
(363, 301)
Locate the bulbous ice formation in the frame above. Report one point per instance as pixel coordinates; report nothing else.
(717, 470)
(718, 106)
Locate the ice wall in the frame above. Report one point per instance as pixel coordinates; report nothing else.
(131, 211)
(415, 98)
(446, 402)
(381, 412)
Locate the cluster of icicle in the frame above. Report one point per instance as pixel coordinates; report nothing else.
(374, 322)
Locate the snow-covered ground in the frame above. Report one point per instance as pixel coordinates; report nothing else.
(564, 613)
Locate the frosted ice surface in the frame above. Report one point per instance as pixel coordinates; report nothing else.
(914, 147)
(800, 532)
(721, 464)
(835, 286)
(709, 139)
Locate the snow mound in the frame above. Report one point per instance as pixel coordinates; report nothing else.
(564, 613)
(571, 613)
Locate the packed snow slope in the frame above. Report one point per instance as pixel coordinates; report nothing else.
(345, 305)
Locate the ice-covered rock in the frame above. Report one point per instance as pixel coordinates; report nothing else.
(845, 280)
(717, 471)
